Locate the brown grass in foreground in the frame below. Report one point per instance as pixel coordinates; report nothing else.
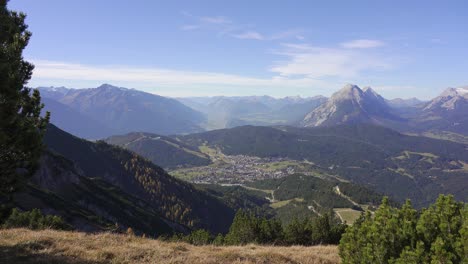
(48, 246)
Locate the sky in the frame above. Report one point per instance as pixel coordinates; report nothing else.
(277, 48)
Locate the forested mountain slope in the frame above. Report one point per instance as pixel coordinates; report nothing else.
(163, 151)
(171, 198)
(89, 204)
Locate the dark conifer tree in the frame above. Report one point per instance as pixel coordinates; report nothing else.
(21, 124)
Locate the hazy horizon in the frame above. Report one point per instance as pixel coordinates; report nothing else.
(229, 96)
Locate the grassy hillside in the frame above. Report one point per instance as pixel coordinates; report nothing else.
(26, 246)
(392, 163)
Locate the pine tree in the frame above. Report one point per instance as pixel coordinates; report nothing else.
(269, 231)
(437, 234)
(243, 230)
(298, 232)
(21, 124)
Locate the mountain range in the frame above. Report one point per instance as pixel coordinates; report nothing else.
(108, 110)
(111, 110)
(442, 117)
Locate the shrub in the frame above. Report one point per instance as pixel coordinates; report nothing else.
(34, 220)
(199, 237)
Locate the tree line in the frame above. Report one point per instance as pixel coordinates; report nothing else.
(248, 228)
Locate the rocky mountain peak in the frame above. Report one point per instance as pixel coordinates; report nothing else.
(449, 99)
(348, 92)
(351, 104)
(109, 87)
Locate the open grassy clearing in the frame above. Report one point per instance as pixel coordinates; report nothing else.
(465, 165)
(446, 135)
(347, 215)
(215, 154)
(279, 204)
(184, 149)
(406, 155)
(280, 165)
(185, 174)
(402, 171)
(26, 246)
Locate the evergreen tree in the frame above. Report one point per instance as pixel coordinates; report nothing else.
(270, 232)
(298, 232)
(199, 237)
(21, 125)
(437, 234)
(219, 240)
(243, 230)
(34, 220)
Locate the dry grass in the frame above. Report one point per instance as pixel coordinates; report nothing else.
(48, 246)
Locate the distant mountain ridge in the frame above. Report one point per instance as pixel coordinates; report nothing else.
(124, 110)
(230, 111)
(350, 105)
(108, 110)
(75, 122)
(447, 113)
(443, 117)
(400, 102)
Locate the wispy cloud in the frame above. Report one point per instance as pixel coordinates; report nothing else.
(157, 77)
(438, 41)
(386, 88)
(215, 20)
(190, 27)
(226, 27)
(362, 44)
(249, 35)
(321, 62)
(292, 33)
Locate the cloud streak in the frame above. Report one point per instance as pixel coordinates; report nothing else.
(190, 27)
(156, 77)
(250, 35)
(215, 20)
(319, 62)
(226, 27)
(362, 44)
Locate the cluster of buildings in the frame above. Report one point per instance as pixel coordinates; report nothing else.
(238, 169)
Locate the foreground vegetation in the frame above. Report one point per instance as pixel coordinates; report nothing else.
(48, 246)
(438, 234)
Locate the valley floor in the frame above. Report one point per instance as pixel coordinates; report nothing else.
(48, 246)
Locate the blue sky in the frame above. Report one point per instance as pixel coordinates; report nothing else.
(278, 48)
